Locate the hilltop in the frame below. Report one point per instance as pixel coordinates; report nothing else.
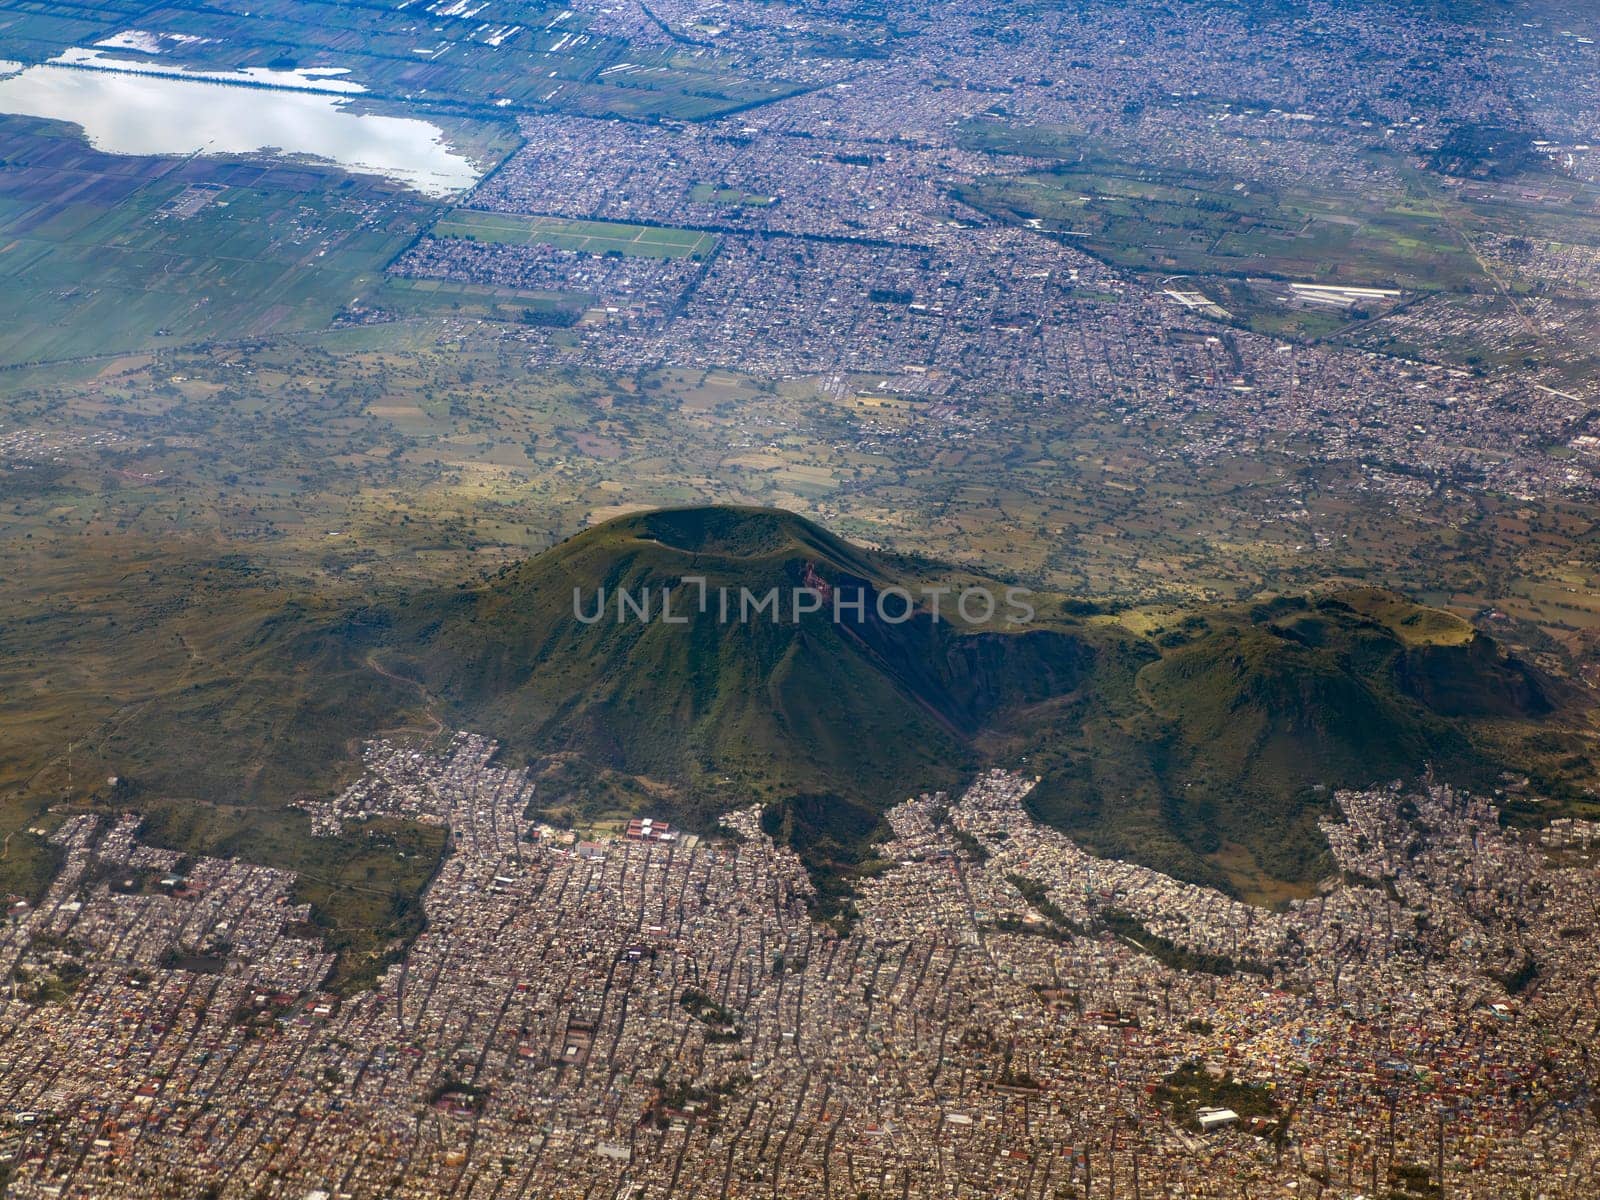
(1207, 747)
(827, 721)
(1208, 751)
(1221, 762)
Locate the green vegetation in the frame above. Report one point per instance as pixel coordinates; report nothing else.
(1412, 1180)
(105, 264)
(549, 61)
(250, 516)
(1237, 239)
(1205, 750)
(364, 886)
(28, 861)
(112, 263)
(1170, 752)
(722, 1021)
(824, 721)
(592, 237)
(1516, 982)
(1192, 1087)
(409, 297)
(1037, 895)
(678, 1097)
(426, 451)
(1477, 151)
(375, 461)
(54, 985)
(975, 850)
(1128, 927)
(1169, 218)
(1236, 733)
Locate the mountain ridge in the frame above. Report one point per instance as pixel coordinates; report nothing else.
(1207, 750)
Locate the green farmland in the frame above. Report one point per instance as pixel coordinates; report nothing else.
(1241, 237)
(593, 237)
(1166, 217)
(540, 58)
(101, 254)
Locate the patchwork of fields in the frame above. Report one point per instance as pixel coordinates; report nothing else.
(485, 58)
(1243, 238)
(100, 254)
(592, 237)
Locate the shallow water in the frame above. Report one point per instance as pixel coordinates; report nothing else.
(123, 113)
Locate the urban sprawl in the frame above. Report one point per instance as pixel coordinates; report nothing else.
(649, 1013)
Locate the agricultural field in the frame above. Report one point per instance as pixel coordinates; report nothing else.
(487, 58)
(1147, 220)
(1166, 218)
(102, 254)
(1243, 241)
(407, 297)
(36, 32)
(592, 237)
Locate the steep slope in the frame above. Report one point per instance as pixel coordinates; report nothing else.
(1246, 723)
(1207, 750)
(722, 703)
(1210, 754)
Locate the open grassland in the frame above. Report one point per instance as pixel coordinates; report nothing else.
(592, 237)
(133, 646)
(435, 297)
(1167, 218)
(1146, 220)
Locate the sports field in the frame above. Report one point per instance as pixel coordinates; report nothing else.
(596, 237)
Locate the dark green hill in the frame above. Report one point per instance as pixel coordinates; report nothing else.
(1208, 750)
(1210, 754)
(848, 715)
(1247, 721)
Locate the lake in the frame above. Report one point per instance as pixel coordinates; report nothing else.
(165, 114)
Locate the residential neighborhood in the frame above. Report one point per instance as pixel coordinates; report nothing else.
(646, 1015)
